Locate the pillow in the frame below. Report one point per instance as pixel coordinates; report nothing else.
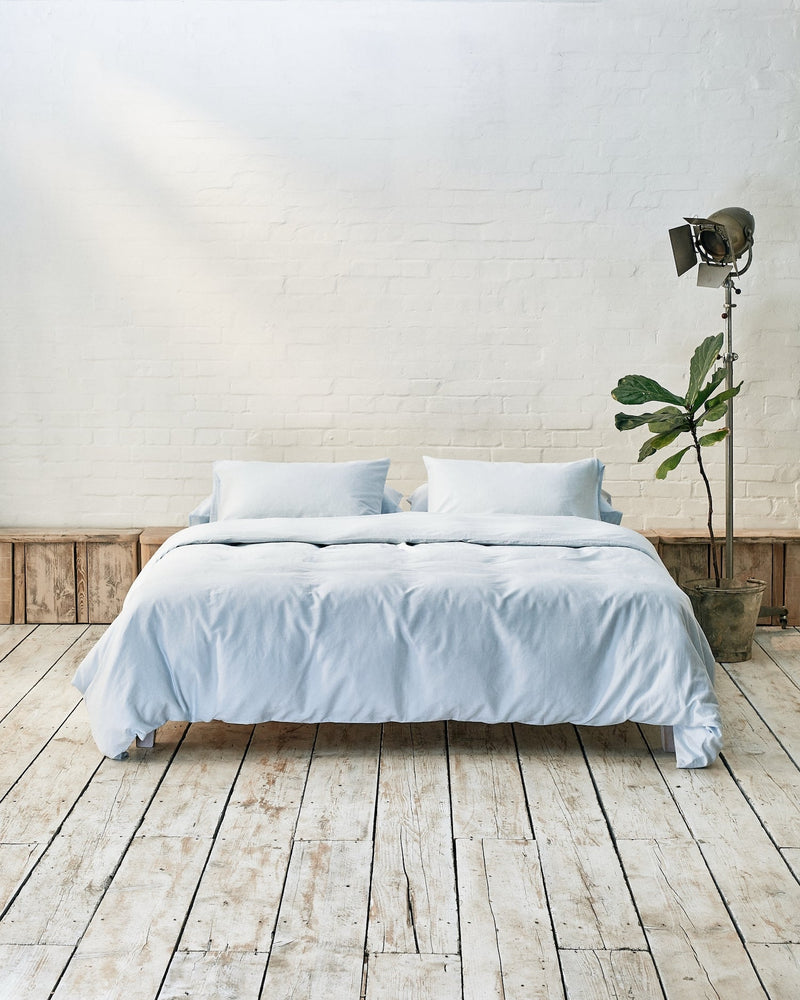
(204, 511)
(419, 498)
(391, 500)
(419, 501)
(607, 511)
(539, 488)
(298, 489)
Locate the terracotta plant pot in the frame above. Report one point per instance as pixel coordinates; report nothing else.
(727, 615)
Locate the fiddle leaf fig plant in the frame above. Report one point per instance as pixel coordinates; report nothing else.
(686, 414)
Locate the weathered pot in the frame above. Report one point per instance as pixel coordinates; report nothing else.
(727, 614)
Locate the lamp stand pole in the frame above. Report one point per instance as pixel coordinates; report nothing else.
(729, 358)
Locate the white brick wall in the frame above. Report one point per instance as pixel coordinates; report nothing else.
(324, 230)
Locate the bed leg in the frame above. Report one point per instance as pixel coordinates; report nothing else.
(146, 741)
(667, 739)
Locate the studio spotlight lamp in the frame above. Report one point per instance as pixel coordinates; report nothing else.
(717, 244)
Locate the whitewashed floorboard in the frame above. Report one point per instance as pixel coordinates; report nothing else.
(586, 888)
(696, 947)
(488, 798)
(413, 902)
(610, 975)
(748, 870)
(318, 951)
(11, 636)
(238, 898)
(413, 977)
(214, 975)
(507, 942)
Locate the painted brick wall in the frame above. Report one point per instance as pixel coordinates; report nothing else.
(330, 230)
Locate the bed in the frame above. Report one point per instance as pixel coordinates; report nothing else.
(481, 615)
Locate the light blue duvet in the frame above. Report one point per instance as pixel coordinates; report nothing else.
(405, 617)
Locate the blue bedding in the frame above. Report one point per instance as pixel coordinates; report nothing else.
(405, 617)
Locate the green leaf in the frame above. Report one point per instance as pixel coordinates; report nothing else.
(672, 421)
(721, 397)
(654, 444)
(633, 390)
(665, 419)
(671, 463)
(713, 413)
(702, 360)
(717, 377)
(628, 421)
(713, 438)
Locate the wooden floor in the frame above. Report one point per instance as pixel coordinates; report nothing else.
(396, 862)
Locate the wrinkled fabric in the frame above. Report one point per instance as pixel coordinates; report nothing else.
(406, 617)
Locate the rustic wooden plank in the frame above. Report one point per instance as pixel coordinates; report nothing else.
(10, 637)
(635, 799)
(129, 943)
(773, 692)
(488, 799)
(748, 870)
(6, 583)
(783, 647)
(31, 813)
(238, 898)
(50, 593)
(58, 900)
(318, 950)
(610, 975)
(685, 561)
(791, 581)
(56, 535)
(588, 895)
(111, 569)
(339, 801)
(24, 666)
(778, 965)
(17, 861)
(38, 803)
(507, 946)
(150, 541)
(558, 783)
(778, 578)
(792, 857)
(586, 887)
(18, 570)
(81, 582)
(413, 977)
(192, 796)
(27, 972)
(698, 954)
(31, 723)
(689, 536)
(214, 975)
(413, 903)
(764, 772)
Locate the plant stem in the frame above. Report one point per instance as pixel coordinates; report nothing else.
(714, 560)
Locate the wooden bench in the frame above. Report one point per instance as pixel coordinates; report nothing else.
(82, 575)
(65, 576)
(770, 556)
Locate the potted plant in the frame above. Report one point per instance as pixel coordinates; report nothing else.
(726, 609)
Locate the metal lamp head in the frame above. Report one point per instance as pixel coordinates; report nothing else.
(718, 242)
(730, 237)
